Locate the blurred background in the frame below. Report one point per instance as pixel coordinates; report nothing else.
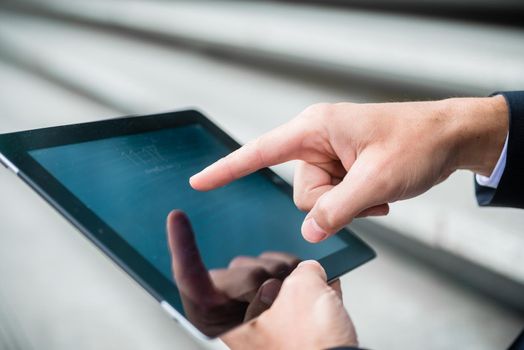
(448, 274)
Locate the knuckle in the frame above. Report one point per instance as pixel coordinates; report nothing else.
(382, 184)
(300, 200)
(318, 110)
(256, 146)
(280, 270)
(380, 176)
(257, 276)
(345, 105)
(240, 260)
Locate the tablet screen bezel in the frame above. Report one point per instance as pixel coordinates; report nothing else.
(16, 146)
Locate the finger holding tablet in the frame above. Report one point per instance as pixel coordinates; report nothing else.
(220, 299)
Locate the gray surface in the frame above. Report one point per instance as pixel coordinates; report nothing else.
(58, 292)
(421, 51)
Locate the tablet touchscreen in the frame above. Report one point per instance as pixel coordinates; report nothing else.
(132, 182)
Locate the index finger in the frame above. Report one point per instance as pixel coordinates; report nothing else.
(277, 146)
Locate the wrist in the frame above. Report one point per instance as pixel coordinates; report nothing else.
(478, 131)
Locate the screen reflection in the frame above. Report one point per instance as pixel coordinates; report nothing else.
(219, 299)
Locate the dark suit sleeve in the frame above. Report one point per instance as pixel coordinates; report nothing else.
(518, 344)
(510, 191)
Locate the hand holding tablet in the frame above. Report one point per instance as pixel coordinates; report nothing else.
(218, 300)
(307, 314)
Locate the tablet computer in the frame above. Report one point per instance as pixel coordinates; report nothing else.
(117, 180)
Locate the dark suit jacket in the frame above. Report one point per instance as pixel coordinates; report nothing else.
(510, 191)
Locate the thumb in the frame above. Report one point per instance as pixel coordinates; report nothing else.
(354, 196)
(307, 281)
(310, 270)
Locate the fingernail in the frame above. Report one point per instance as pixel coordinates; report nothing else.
(269, 292)
(308, 262)
(312, 231)
(192, 179)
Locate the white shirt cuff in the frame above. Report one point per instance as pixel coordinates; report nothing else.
(493, 180)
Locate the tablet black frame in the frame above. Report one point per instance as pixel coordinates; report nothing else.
(15, 148)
